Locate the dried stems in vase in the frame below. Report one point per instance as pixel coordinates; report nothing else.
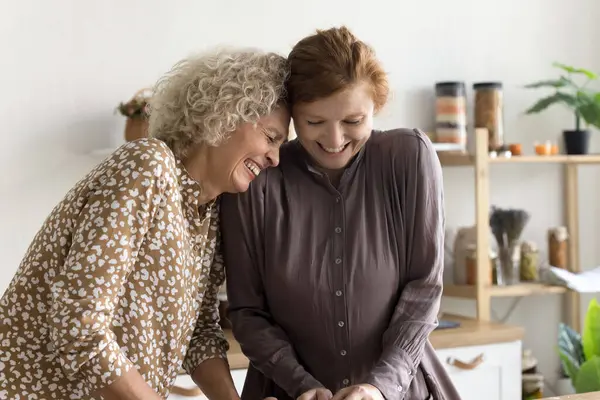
(507, 225)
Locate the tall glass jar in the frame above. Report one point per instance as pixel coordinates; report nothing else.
(451, 113)
(557, 247)
(489, 111)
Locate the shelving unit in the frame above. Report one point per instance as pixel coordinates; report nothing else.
(481, 162)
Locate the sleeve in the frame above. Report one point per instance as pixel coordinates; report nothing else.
(415, 315)
(107, 234)
(264, 343)
(208, 340)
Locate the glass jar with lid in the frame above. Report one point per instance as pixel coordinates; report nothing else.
(489, 111)
(451, 113)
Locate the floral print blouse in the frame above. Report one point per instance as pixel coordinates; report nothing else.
(123, 273)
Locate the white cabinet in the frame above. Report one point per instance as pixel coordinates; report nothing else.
(491, 372)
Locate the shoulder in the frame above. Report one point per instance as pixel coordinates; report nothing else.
(403, 150)
(401, 145)
(400, 142)
(144, 163)
(152, 156)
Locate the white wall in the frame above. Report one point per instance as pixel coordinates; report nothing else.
(66, 64)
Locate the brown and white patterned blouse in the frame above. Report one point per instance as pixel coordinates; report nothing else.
(124, 272)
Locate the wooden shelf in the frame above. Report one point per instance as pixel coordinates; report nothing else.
(481, 164)
(519, 290)
(454, 159)
(558, 159)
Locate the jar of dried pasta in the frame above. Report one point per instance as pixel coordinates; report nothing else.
(451, 113)
(489, 111)
(557, 247)
(529, 262)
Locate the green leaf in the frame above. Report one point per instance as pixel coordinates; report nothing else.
(588, 378)
(570, 350)
(590, 111)
(552, 83)
(546, 102)
(591, 331)
(569, 366)
(573, 70)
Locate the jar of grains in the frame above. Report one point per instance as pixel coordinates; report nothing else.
(529, 262)
(451, 113)
(557, 247)
(489, 111)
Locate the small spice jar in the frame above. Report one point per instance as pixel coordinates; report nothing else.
(451, 113)
(557, 247)
(529, 262)
(489, 113)
(471, 266)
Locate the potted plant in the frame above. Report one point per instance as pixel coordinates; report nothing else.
(136, 111)
(580, 354)
(584, 102)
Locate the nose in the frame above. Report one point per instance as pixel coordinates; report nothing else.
(273, 157)
(335, 136)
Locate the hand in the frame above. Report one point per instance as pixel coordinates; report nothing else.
(359, 392)
(316, 394)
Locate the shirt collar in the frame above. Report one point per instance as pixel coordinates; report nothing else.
(189, 188)
(307, 161)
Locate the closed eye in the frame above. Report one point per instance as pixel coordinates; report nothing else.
(314, 122)
(271, 139)
(353, 122)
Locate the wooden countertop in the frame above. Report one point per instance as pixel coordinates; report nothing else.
(470, 333)
(582, 396)
(474, 333)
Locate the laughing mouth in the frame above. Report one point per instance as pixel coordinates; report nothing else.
(334, 150)
(252, 166)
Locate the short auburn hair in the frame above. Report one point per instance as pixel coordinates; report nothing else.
(330, 61)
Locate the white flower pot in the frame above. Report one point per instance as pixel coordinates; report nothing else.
(564, 386)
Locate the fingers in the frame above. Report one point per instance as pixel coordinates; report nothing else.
(310, 395)
(342, 393)
(269, 398)
(324, 394)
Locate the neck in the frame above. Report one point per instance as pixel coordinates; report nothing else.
(197, 165)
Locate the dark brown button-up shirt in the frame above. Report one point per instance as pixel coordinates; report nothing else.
(335, 286)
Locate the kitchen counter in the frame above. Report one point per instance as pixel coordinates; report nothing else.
(583, 396)
(469, 333)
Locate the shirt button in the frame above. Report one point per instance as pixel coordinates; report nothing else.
(337, 199)
(343, 352)
(338, 293)
(345, 382)
(338, 260)
(399, 388)
(341, 323)
(338, 230)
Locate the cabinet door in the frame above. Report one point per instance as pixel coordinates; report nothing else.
(491, 372)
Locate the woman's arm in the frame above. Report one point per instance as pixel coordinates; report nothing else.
(107, 235)
(262, 341)
(415, 316)
(206, 358)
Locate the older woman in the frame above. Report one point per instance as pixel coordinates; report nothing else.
(334, 258)
(118, 289)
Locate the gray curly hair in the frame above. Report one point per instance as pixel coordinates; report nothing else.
(206, 97)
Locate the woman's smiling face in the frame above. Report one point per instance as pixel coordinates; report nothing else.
(335, 128)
